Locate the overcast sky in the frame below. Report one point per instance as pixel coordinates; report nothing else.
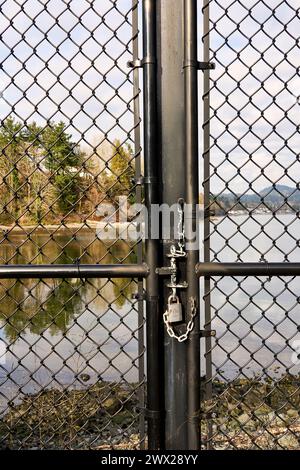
(43, 40)
(260, 44)
(54, 44)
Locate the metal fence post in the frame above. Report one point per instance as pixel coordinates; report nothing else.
(207, 204)
(191, 228)
(171, 116)
(139, 197)
(153, 317)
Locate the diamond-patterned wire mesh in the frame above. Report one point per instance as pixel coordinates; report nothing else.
(250, 392)
(72, 366)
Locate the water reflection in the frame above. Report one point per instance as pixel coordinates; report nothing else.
(58, 331)
(256, 319)
(53, 304)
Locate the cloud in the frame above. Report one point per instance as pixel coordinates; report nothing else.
(254, 94)
(57, 67)
(54, 66)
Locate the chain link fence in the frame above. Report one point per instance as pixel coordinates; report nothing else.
(250, 387)
(72, 350)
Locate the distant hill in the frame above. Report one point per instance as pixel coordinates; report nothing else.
(280, 192)
(273, 194)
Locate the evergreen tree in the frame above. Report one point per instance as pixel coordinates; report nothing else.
(64, 159)
(60, 152)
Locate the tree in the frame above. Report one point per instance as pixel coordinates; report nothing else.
(67, 190)
(28, 153)
(60, 152)
(12, 158)
(118, 180)
(64, 159)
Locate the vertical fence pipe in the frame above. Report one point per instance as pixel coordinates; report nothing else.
(171, 115)
(138, 192)
(206, 187)
(153, 317)
(191, 229)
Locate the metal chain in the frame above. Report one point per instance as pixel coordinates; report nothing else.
(174, 267)
(181, 232)
(190, 325)
(180, 252)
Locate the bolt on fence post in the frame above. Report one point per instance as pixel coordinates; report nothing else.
(192, 199)
(153, 316)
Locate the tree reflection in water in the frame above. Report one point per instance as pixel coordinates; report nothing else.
(29, 305)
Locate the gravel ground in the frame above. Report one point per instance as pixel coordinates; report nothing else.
(253, 414)
(244, 414)
(103, 416)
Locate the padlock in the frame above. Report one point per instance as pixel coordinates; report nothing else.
(174, 309)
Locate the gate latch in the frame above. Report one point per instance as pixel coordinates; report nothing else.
(172, 270)
(176, 252)
(166, 271)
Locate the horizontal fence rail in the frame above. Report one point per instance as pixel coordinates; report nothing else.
(76, 271)
(247, 269)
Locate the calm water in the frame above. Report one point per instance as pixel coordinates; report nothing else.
(255, 318)
(56, 331)
(60, 330)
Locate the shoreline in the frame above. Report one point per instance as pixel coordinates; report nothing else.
(51, 228)
(73, 227)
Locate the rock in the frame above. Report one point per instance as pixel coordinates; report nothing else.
(271, 417)
(112, 405)
(289, 441)
(223, 428)
(292, 413)
(262, 410)
(243, 419)
(280, 420)
(123, 419)
(85, 377)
